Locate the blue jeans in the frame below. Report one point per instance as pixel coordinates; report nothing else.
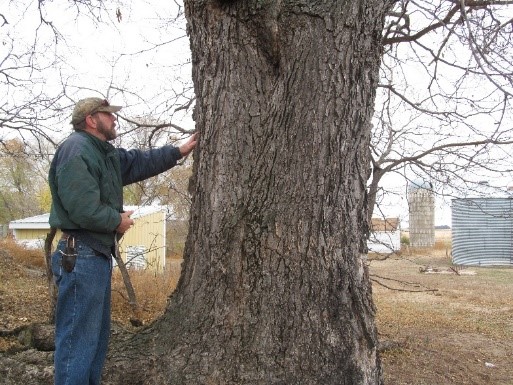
(82, 317)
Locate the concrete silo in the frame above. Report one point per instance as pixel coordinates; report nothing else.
(421, 202)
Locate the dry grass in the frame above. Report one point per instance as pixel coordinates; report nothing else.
(445, 336)
(151, 289)
(24, 290)
(21, 255)
(458, 334)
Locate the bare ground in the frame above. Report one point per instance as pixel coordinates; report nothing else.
(437, 327)
(450, 326)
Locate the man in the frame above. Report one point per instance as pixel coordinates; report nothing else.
(86, 178)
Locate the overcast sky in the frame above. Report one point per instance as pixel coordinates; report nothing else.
(134, 60)
(139, 57)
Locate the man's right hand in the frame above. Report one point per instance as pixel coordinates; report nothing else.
(126, 222)
(187, 147)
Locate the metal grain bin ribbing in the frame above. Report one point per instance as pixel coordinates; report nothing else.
(482, 231)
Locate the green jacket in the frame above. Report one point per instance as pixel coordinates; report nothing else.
(86, 179)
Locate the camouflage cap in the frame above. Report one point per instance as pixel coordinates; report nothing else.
(90, 106)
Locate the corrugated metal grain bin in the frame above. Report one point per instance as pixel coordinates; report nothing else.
(482, 231)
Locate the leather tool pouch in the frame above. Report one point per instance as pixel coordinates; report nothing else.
(69, 255)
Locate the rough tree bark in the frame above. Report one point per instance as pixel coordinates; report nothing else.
(274, 287)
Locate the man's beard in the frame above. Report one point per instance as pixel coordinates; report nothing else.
(110, 134)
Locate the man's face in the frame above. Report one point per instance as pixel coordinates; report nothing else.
(105, 125)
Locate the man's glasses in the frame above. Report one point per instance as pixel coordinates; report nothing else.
(104, 103)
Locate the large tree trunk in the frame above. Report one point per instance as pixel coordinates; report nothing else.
(274, 288)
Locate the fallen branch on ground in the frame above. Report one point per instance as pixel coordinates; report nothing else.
(376, 279)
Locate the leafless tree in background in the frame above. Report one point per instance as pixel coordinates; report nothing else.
(39, 83)
(22, 187)
(443, 110)
(274, 288)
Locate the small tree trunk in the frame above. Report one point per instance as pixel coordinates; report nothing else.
(132, 299)
(52, 288)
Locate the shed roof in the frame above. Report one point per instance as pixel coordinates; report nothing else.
(35, 222)
(41, 221)
(385, 224)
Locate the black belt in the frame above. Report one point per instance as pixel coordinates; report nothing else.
(66, 236)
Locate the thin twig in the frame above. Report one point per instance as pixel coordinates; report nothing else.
(405, 290)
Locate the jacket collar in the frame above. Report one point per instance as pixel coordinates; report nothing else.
(103, 146)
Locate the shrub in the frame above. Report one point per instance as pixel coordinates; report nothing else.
(405, 240)
(22, 255)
